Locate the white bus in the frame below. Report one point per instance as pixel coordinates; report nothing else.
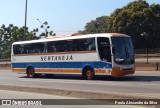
(109, 54)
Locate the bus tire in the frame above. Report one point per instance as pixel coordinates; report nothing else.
(89, 74)
(31, 72)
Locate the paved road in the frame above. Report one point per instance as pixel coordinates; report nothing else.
(5, 94)
(142, 84)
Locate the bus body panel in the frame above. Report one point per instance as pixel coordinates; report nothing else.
(61, 64)
(72, 62)
(22, 67)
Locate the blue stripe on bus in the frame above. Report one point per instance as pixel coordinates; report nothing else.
(62, 65)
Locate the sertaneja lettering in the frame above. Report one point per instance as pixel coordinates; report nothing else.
(56, 58)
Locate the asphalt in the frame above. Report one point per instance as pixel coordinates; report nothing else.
(141, 85)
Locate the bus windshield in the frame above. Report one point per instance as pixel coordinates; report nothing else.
(123, 50)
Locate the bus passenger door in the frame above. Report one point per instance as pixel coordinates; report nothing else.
(104, 49)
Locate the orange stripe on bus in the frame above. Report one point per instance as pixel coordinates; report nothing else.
(59, 70)
(18, 70)
(99, 71)
(42, 70)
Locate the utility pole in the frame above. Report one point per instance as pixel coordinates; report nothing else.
(25, 24)
(145, 35)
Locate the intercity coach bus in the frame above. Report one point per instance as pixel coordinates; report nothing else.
(108, 54)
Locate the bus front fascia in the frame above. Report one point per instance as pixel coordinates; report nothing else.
(120, 69)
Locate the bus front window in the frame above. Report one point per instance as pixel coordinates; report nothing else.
(123, 50)
(104, 49)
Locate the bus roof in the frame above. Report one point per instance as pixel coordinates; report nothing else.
(72, 36)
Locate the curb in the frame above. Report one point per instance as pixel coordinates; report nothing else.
(72, 93)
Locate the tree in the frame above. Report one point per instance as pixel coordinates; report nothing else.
(134, 19)
(96, 26)
(45, 26)
(10, 34)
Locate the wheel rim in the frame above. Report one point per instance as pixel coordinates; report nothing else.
(31, 72)
(88, 74)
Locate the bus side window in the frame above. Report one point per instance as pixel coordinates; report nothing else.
(51, 47)
(75, 45)
(82, 44)
(60, 46)
(32, 48)
(16, 49)
(39, 47)
(19, 49)
(68, 45)
(72, 45)
(27, 48)
(91, 44)
(87, 44)
(23, 49)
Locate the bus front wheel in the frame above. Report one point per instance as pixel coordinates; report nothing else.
(30, 72)
(89, 75)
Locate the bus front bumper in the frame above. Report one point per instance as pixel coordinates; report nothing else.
(119, 72)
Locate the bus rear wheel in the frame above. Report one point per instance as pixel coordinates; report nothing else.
(89, 74)
(30, 72)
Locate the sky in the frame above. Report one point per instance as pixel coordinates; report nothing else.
(63, 16)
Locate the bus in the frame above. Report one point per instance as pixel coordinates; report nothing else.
(89, 55)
